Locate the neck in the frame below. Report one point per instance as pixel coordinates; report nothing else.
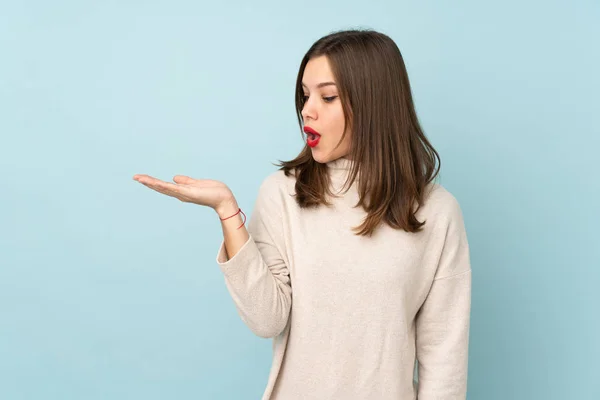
(339, 170)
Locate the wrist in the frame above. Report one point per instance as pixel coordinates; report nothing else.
(227, 209)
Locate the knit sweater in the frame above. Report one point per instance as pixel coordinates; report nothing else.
(351, 315)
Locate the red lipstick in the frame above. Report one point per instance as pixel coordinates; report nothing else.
(313, 137)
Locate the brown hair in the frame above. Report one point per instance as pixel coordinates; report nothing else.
(388, 146)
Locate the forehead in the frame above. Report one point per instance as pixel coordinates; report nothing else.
(317, 71)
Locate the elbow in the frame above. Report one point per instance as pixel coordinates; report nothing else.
(272, 323)
(268, 332)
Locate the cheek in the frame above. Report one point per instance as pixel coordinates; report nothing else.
(339, 121)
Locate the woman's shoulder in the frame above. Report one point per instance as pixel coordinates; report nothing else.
(277, 179)
(277, 183)
(440, 203)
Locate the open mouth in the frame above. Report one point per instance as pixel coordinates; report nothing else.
(312, 136)
(313, 141)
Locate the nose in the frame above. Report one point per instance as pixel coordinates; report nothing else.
(309, 111)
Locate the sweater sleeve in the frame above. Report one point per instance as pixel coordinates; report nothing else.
(443, 320)
(257, 276)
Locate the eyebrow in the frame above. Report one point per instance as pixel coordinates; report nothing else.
(322, 84)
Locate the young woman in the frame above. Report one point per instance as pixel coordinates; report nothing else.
(354, 260)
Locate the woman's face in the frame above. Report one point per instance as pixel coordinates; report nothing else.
(323, 111)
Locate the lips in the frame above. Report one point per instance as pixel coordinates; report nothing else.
(311, 131)
(313, 136)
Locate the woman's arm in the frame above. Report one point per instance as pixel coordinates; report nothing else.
(256, 273)
(443, 320)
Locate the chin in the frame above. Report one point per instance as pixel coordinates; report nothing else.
(318, 157)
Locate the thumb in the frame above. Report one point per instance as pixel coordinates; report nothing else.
(182, 179)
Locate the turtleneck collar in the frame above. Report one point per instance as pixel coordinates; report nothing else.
(340, 164)
(339, 171)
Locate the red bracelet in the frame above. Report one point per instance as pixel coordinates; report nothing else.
(239, 211)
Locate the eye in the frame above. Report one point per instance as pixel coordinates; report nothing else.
(326, 99)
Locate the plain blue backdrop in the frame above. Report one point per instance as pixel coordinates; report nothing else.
(109, 290)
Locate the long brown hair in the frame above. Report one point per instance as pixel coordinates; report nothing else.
(388, 146)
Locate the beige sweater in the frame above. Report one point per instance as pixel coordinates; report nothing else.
(350, 315)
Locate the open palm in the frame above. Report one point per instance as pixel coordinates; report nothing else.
(205, 192)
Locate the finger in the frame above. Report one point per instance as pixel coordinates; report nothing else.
(169, 189)
(182, 179)
(148, 180)
(164, 191)
(143, 178)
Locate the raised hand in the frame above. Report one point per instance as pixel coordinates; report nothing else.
(204, 192)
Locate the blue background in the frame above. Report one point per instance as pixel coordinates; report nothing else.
(109, 290)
